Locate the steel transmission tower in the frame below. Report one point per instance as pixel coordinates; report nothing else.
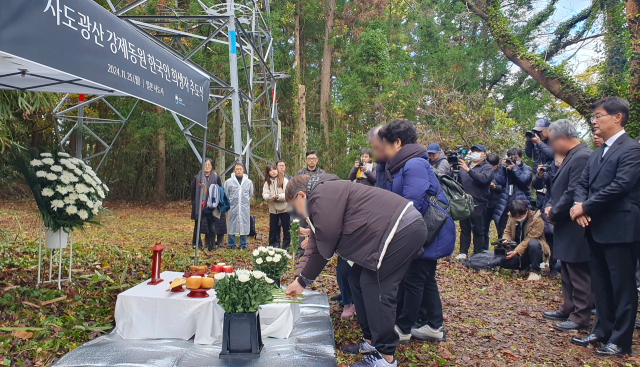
(248, 92)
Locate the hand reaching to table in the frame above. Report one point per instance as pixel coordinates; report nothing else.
(294, 289)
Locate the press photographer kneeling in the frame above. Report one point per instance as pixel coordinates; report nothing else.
(526, 229)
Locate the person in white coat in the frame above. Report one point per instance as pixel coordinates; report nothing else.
(239, 189)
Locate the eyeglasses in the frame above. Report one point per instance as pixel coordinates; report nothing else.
(594, 118)
(312, 159)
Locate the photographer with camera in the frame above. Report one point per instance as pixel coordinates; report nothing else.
(363, 171)
(475, 177)
(536, 145)
(438, 159)
(542, 179)
(495, 194)
(569, 243)
(515, 177)
(526, 229)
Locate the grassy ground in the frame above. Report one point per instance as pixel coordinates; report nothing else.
(492, 318)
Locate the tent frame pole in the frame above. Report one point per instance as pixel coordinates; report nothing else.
(202, 184)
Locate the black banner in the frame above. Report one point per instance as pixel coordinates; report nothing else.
(81, 38)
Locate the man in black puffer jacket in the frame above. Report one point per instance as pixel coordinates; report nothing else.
(515, 177)
(475, 177)
(494, 200)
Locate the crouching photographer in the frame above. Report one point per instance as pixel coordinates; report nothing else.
(527, 230)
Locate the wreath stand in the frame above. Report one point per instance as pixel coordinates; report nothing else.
(60, 248)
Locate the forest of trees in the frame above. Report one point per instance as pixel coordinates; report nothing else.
(464, 71)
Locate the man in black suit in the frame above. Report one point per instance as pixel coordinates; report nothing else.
(607, 203)
(569, 243)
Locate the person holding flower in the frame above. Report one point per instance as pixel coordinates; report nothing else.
(377, 230)
(273, 193)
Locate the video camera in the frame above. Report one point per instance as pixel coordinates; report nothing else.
(453, 156)
(503, 247)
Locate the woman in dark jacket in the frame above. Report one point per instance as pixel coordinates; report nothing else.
(364, 173)
(411, 176)
(207, 221)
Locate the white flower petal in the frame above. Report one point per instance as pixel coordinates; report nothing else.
(71, 209)
(83, 214)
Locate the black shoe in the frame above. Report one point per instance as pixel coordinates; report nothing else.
(584, 342)
(612, 350)
(569, 326)
(336, 297)
(555, 315)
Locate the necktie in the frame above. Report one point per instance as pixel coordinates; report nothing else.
(604, 151)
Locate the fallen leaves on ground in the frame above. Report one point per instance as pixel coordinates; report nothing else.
(492, 318)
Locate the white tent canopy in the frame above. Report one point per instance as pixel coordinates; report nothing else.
(77, 46)
(21, 74)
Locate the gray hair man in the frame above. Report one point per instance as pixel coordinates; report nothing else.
(569, 243)
(378, 151)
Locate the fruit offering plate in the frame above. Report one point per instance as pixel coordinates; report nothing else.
(198, 293)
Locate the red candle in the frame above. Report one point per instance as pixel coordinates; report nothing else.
(227, 269)
(216, 269)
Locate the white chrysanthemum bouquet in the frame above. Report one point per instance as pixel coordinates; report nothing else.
(244, 291)
(68, 192)
(270, 260)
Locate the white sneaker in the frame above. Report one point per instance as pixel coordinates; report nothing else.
(461, 257)
(375, 360)
(534, 277)
(427, 333)
(404, 338)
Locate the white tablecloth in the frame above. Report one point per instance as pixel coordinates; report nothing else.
(150, 312)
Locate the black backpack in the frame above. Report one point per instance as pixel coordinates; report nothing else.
(482, 261)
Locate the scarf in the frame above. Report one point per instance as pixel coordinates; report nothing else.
(208, 180)
(405, 153)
